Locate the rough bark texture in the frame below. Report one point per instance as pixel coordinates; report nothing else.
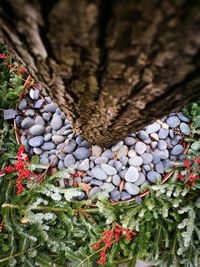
(113, 66)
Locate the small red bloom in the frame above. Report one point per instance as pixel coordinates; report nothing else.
(2, 56)
(22, 70)
(102, 260)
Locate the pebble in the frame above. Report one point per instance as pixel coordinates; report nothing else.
(36, 94)
(162, 145)
(167, 164)
(39, 103)
(152, 128)
(163, 133)
(86, 179)
(61, 165)
(156, 157)
(70, 147)
(154, 144)
(85, 164)
(107, 186)
(124, 160)
(101, 160)
(29, 112)
(131, 153)
(96, 151)
(109, 170)
(53, 160)
(48, 129)
(118, 165)
(185, 129)
(117, 146)
(143, 135)
(37, 129)
(175, 140)
(98, 173)
(177, 150)
(123, 151)
(135, 161)
(81, 196)
(39, 120)
(56, 122)
(141, 179)
(132, 174)
(44, 161)
(69, 160)
(183, 117)
(116, 180)
(153, 176)
(147, 158)
(129, 141)
(57, 139)
(46, 116)
(115, 195)
(93, 191)
(96, 182)
(82, 153)
(173, 121)
(36, 141)
(48, 146)
(47, 137)
(131, 188)
(50, 108)
(107, 153)
(140, 148)
(18, 120)
(22, 104)
(125, 195)
(27, 123)
(37, 150)
(159, 168)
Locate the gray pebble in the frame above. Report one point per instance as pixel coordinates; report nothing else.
(47, 137)
(50, 108)
(18, 120)
(167, 164)
(69, 160)
(131, 188)
(61, 155)
(115, 195)
(37, 129)
(56, 122)
(107, 186)
(162, 145)
(140, 148)
(118, 165)
(107, 153)
(111, 162)
(44, 160)
(81, 196)
(143, 135)
(27, 123)
(68, 132)
(125, 195)
(96, 182)
(122, 173)
(70, 147)
(96, 151)
(132, 174)
(152, 128)
(101, 160)
(117, 146)
(39, 103)
(48, 146)
(109, 170)
(98, 173)
(185, 129)
(48, 99)
(173, 121)
(51, 152)
(147, 158)
(63, 130)
(82, 153)
(129, 141)
(141, 179)
(177, 150)
(183, 117)
(164, 154)
(29, 112)
(57, 139)
(39, 120)
(156, 157)
(91, 164)
(123, 151)
(159, 168)
(53, 160)
(36, 141)
(171, 133)
(147, 167)
(48, 129)
(153, 144)
(153, 176)
(61, 165)
(135, 161)
(86, 179)
(116, 180)
(124, 160)
(176, 140)
(85, 164)
(163, 133)
(22, 104)
(93, 191)
(46, 116)
(37, 150)
(36, 94)
(147, 141)
(26, 145)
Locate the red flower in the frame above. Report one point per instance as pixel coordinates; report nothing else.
(102, 260)
(180, 176)
(2, 56)
(187, 163)
(22, 70)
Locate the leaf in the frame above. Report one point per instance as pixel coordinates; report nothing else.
(35, 159)
(195, 145)
(84, 186)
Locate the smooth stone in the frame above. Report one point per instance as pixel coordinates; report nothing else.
(125, 195)
(141, 179)
(185, 129)
(79, 140)
(143, 135)
(111, 162)
(147, 167)
(57, 139)
(122, 173)
(154, 136)
(84, 143)
(56, 122)
(81, 196)
(26, 145)
(29, 112)
(61, 155)
(69, 160)
(107, 153)
(63, 116)
(164, 154)
(115, 195)
(39, 103)
(50, 108)
(183, 117)
(124, 160)
(131, 153)
(44, 160)
(67, 132)
(163, 133)
(61, 165)
(152, 128)
(171, 133)
(131, 188)
(58, 111)
(129, 141)
(82, 153)
(135, 161)
(176, 140)
(36, 94)
(91, 164)
(109, 179)
(156, 157)
(167, 164)
(173, 121)
(86, 179)
(39, 120)
(107, 186)
(47, 137)
(140, 148)
(98, 173)
(159, 168)
(48, 146)
(96, 151)
(177, 150)
(62, 130)
(117, 146)
(154, 144)
(101, 160)
(162, 145)
(32, 94)
(53, 160)
(70, 147)
(18, 120)
(37, 150)
(85, 164)
(123, 151)
(27, 123)
(22, 104)
(51, 152)
(96, 182)
(46, 116)
(118, 165)
(147, 141)
(109, 170)
(153, 176)
(94, 191)
(116, 180)
(36, 141)
(132, 174)
(48, 129)
(147, 158)
(37, 129)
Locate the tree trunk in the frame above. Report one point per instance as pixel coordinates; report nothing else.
(112, 66)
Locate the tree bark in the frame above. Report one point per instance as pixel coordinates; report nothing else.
(112, 66)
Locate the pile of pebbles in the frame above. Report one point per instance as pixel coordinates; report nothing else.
(140, 158)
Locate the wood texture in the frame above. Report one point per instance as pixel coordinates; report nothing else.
(113, 66)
